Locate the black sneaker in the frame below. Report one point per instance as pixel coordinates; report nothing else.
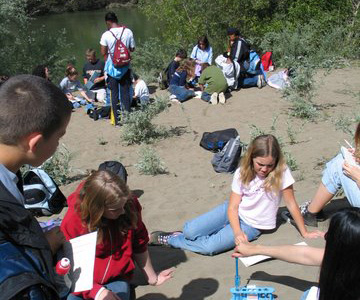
(160, 238)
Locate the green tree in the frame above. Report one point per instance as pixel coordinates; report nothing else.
(23, 47)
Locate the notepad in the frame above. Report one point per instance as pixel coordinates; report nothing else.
(348, 157)
(81, 252)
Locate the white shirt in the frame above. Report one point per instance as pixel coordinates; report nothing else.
(9, 180)
(258, 208)
(141, 90)
(108, 40)
(228, 70)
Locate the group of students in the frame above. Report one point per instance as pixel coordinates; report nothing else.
(34, 116)
(231, 72)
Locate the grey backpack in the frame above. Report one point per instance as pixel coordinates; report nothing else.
(227, 159)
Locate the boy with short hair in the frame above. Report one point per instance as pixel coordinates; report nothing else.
(33, 117)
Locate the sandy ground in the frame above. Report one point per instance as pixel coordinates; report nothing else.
(191, 186)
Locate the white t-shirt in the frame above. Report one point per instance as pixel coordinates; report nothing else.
(257, 207)
(108, 40)
(141, 90)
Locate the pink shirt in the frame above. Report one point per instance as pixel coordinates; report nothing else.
(258, 208)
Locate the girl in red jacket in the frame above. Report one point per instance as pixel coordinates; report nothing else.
(104, 203)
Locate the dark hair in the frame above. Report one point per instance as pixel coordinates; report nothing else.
(203, 39)
(3, 79)
(233, 31)
(135, 76)
(181, 53)
(204, 66)
(30, 104)
(111, 17)
(339, 274)
(70, 70)
(39, 70)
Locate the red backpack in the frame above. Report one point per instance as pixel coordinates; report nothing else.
(266, 60)
(121, 56)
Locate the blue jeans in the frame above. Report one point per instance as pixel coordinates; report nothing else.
(211, 233)
(205, 96)
(121, 288)
(181, 93)
(334, 178)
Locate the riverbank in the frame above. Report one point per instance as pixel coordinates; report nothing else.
(191, 186)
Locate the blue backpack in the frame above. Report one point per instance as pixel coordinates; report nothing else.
(254, 63)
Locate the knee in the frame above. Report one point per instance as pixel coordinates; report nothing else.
(190, 231)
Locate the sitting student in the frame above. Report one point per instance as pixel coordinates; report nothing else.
(179, 56)
(33, 117)
(94, 69)
(257, 188)
(201, 53)
(141, 91)
(184, 73)
(42, 71)
(339, 261)
(337, 174)
(230, 69)
(104, 203)
(213, 84)
(239, 50)
(70, 85)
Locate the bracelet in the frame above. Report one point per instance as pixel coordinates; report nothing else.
(156, 280)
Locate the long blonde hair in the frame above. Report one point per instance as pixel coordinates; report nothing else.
(262, 146)
(103, 189)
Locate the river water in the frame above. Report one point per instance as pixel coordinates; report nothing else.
(84, 29)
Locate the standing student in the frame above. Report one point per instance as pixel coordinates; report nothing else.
(201, 53)
(260, 182)
(339, 261)
(104, 203)
(33, 117)
(119, 79)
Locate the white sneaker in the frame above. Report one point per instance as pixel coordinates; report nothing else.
(214, 99)
(172, 96)
(261, 81)
(222, 98)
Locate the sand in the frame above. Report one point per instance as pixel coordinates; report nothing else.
(191, 186)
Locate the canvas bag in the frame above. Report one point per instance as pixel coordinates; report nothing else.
(42, 195)
(215, 141)
(227, 159)
(162, 79)
(115, 167)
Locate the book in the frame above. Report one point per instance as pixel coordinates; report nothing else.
(348, 157)
(90, 83)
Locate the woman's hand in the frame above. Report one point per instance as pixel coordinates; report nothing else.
(313, 234)
(352, 171)
(163, 276)
(241, 238)
(108, 295)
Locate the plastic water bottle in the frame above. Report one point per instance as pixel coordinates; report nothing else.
(63, 266)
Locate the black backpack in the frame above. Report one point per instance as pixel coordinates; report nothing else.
(215, 141)
(115, 167)
(163, 78)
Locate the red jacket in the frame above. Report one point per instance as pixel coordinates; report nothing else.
(121, 263)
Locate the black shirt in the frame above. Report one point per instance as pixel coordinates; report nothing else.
(90, 68)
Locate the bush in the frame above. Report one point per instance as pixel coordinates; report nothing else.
(138, 127)
(58, 166)
(149, 162)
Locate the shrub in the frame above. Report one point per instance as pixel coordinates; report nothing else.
(58, 166)
(149, 162)
(138, 127)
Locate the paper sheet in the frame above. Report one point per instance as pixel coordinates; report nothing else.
(81, 252)
(251, 260)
